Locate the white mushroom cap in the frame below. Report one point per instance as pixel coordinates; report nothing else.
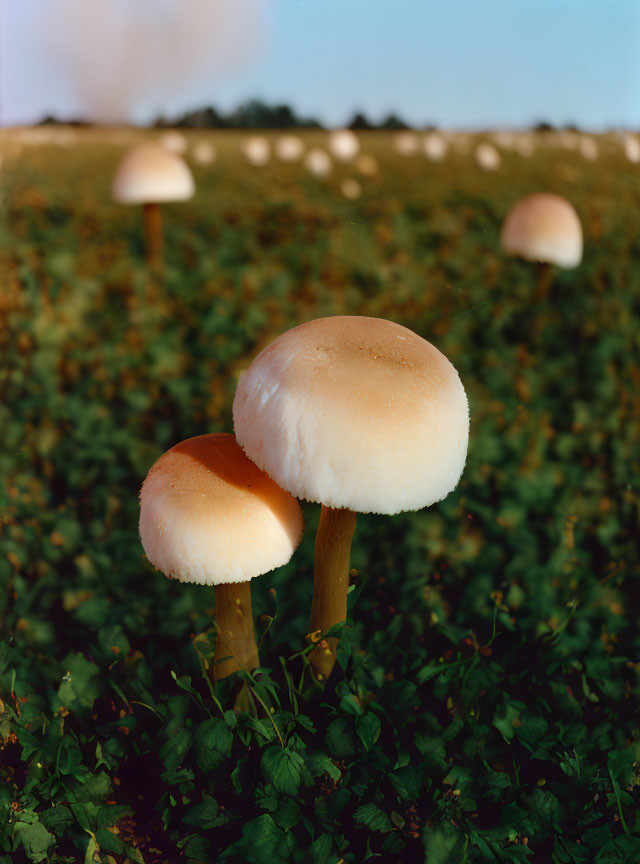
(406, 143)
(543, 227)
(344, 144)
(203, 152)
(150, 174)
(435, 147)
(289, 148)
(487, 157)
(355, 412)
(318, 162)
(256, 149)
(174, 141)
(209, 515)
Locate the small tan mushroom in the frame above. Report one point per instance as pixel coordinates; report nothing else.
(151, 175)
(210, 515)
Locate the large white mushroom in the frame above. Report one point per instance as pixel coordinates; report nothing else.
(360, 415)
(150, 175)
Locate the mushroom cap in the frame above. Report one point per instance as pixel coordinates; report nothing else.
(209, 515)
(344, 144)
(150, 174)
(355, 412)
(543, 227)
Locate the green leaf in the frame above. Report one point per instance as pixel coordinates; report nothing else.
(283, 768)
(35, 840)
(175, 749)
(321, 850)
(206, 814)
(443, 844)
(373, 817)
(407, 782)
(79, 687)
(319, 763)
(339, 739)
(262, 842)
(214, 735)
(368, 729)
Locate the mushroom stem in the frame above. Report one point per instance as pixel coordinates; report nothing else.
(236, 643)
(544, 281)
(153, 236)
(330, 584)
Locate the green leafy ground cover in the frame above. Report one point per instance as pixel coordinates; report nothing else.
(485, 704)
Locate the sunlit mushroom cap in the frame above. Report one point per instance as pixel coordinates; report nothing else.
(174, 141)
(543, 227)
(209, 515)
(289, 148)
(355, 412)
(257, 150)
(318, 162)
(344, 144)
(152, 174)
(487, 157)
(435, 147)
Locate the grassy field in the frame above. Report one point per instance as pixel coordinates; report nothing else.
(485, 704)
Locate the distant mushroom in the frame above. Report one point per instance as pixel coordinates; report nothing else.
(435, 147)
(203, 152)
(174, 141)
(350, 188)
(487, 157)
(544, 228)
(360, 415)
(289, 148)
(256, 150)
(150, 175)
(209, 515)
(344, 144)
(406, 143)
(318, 162)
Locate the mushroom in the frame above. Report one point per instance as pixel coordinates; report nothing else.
(544, 228)
(209, 515)
(344, 144)
(318, 162)
(487, 157)
(360, 415)
(150, 175)
(406, 143)
(289, 148)
(435, 147)
(350, 188)
(256, 150)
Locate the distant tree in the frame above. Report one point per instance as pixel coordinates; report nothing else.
(543, 126)
(393, 123)
(359, 121)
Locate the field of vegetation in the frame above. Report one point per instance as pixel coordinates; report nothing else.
(484, 707)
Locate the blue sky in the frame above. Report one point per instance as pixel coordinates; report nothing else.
(457, 63)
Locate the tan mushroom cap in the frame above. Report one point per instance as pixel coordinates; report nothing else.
(209, 515)
(357, 413)
(543, 227)
(151, 174)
